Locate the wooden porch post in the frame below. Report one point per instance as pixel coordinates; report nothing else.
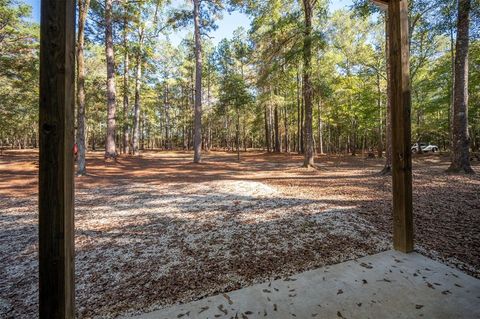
(401, 125)
(56, 188)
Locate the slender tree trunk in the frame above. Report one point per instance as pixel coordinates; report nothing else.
(299, 117)
(461, 140)
(320, 126)
(83, 6)
(452, 67)
(244, 129)
(387, 169)
(126, 80)
(380, 118)
(168, 143)
(267, 131)
(353, 141)
(271, 123)
(237, 135)
(302, 123)
(142, 144)
(197, 141)
(209, 126)
(307, 87)
(138, 84)
(110, 150)
(276, 129)
(285, 123)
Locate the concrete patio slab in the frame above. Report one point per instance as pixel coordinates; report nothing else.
(386, 285)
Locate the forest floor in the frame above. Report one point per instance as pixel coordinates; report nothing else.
(157, 229)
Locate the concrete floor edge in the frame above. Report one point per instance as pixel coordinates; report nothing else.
(386, 285)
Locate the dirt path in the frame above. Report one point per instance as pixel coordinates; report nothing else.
(158, 229)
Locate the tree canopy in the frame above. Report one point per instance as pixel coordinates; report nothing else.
(253, 83)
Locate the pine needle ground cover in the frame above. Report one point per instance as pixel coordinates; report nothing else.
(157, 230)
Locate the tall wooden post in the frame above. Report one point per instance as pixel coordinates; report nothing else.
(401, 125)
(56, 230)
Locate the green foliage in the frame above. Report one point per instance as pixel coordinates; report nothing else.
(249, 76)
(19, 72)
(210, 11)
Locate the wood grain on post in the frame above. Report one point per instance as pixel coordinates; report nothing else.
(401, 126)
(56, 187)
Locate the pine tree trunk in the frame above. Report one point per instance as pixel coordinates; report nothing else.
(267, 131)
(209, 126)
(141, 135)
(285, 123)
(380, 118)
(237, 136)
(299, 117)
(110, 150)
(387, 169)
(197, 140)
(83, 6)
(271, 123)
(168, 144)
(353, 141)
(244, 129)
(276, 129)
(320, 126)
(452, 87)
(138, 84)
(302, 123)
(126, 80)
(461, 140)
(307, 87)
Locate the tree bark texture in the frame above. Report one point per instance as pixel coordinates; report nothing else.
(83, 6)
(461, 140)
(197, 139)
(110, 150)
(126, 91)
(138, 87)
(276, 129)
(387, 169)
(307, 86)
(267, 130)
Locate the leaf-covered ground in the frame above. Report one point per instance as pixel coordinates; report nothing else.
(156, 230)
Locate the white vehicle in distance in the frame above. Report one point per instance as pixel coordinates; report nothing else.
(424, 147)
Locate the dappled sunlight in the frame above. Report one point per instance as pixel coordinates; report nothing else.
(220, 233)
(214, 230)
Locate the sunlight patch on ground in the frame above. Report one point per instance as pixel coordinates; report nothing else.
(181, 241)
